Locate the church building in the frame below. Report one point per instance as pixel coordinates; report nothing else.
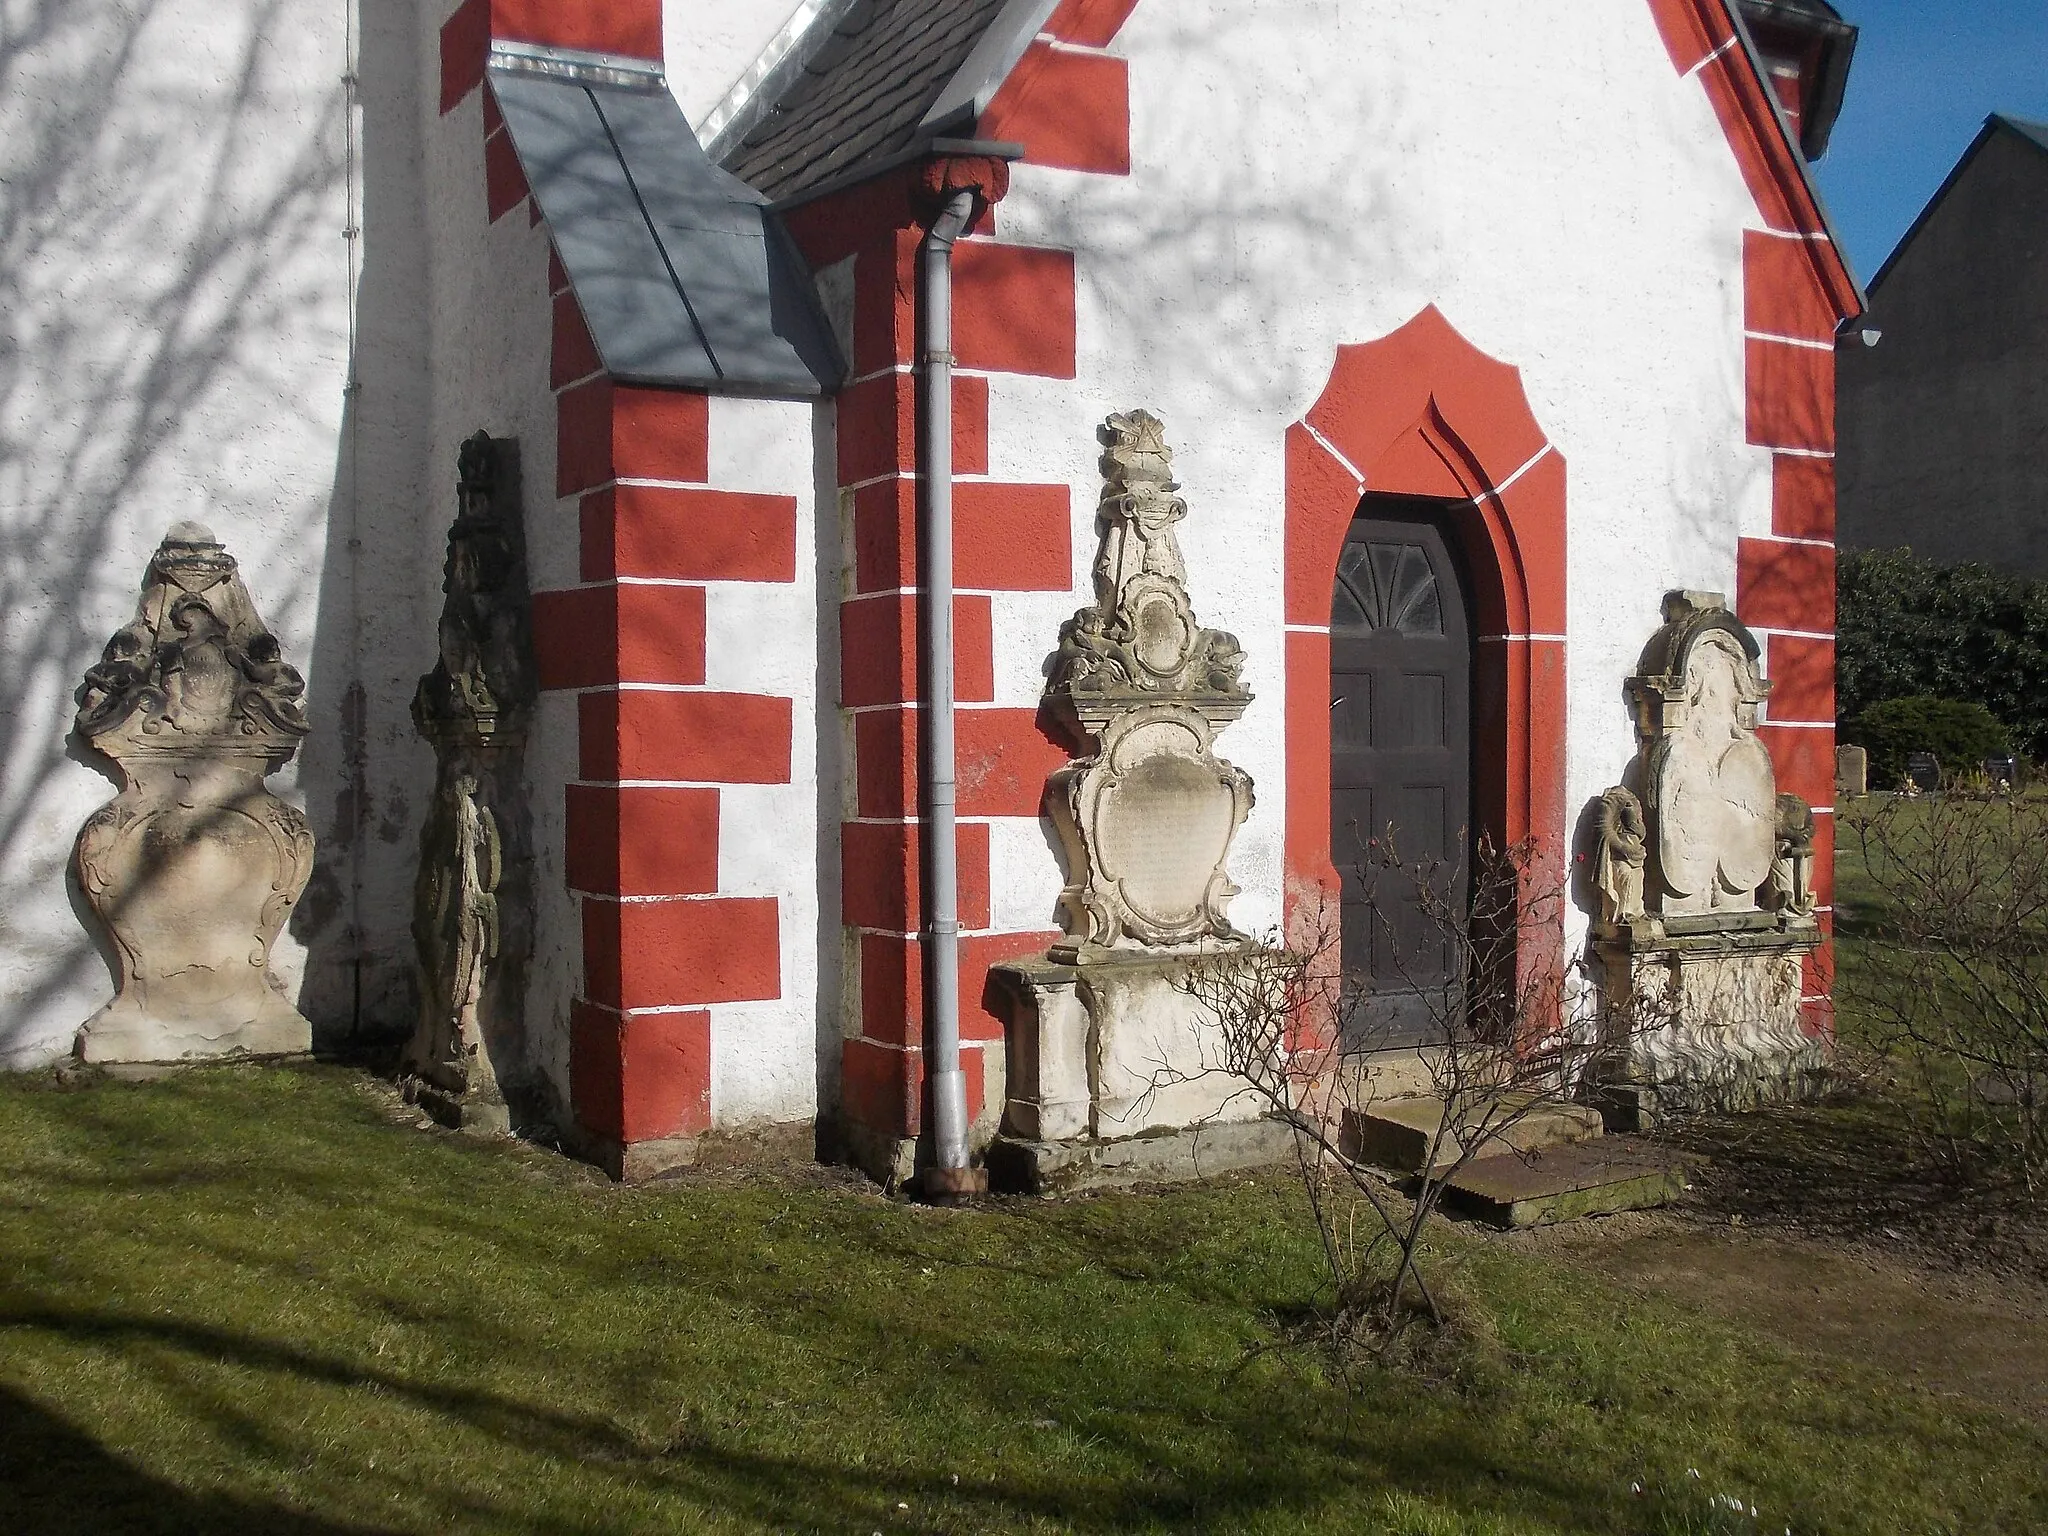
(803, 527)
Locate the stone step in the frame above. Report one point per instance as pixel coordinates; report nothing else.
(1397, 1133)
(1566, 1183)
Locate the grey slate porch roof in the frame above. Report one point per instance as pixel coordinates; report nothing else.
(684, 275)
(864, 83)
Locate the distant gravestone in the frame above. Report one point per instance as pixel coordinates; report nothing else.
(1923, 770)
(2001, 771)
(1852, 771)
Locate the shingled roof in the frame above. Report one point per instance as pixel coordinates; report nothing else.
(859, 85)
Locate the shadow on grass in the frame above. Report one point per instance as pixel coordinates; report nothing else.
(1161, 1458)
(55, 1480)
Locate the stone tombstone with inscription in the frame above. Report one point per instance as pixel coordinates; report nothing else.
(193, 868)
(472, 913)
(1852, 772)
(1106, 1039)
(1705, 874)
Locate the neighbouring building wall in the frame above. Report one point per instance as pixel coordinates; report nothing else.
(1942, 420)
(175, 282)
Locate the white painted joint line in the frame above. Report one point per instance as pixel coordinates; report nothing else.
(1537, 458)
(666, 485)
(1794, 634)
(1336, 453)
(649, 784)
(1061, 45)
(616, 900)
(1732, 42)
(1787, 538)
(892, 371)
(1307, 629)
(1799, 453)
(893, 475)
(1804, 342)
(1799, 725)
(1524, 639)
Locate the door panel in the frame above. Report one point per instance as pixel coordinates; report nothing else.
(1400, 759)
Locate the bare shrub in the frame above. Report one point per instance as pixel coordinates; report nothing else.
(1952, 981)
(1511, 1031)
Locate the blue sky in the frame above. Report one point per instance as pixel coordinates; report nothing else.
(1927, 73)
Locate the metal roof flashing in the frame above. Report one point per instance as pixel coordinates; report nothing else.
(974, 85)
(685, 277)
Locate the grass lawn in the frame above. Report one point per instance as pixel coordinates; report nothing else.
(246, 1299)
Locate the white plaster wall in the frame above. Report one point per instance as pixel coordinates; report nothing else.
(492, 341)
(764, 638)
(709, 44)
(174, 285)
(1314, 174)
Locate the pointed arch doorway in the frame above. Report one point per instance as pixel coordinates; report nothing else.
(1400, 767)
(1422, 413)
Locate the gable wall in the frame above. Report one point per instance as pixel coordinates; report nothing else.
(1565, 195)
(1941, 421)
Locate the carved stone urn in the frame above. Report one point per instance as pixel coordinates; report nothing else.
(1705, 877)
(472, 913)
(194, 867)
(1114, 1063)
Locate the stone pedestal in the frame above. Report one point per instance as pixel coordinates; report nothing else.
(1108, 1044)
(1705, 878)
(194, 867)
(1716, 1015)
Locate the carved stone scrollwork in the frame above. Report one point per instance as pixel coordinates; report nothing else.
(194, 867)
(1148, 821)
(1705, 874)
(472, 916)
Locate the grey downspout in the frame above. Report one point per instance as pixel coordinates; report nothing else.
(950, 1177)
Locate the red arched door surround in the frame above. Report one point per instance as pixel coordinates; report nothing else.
(1423, 412)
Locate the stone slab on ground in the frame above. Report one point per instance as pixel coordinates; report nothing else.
(1170, 1157)
(1565, 1183)
(1398, 1133)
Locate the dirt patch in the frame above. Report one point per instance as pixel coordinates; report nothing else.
(1824, 1229)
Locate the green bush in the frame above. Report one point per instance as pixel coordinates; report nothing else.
(1908, 627)
(1960, 734)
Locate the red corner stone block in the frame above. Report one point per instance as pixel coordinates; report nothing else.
(1785, 586)
(881, 1087)
(465, 47)
(1802, 674)
(1013, 538)
(640, 1077)
(877, 421)
(1013, 309)
(630, 27)
(892, 983)
(661, 954)
(1804, 756)
(1090, 23)
(1003, 758)
(880, 875)
(606, 431)
(504, 182)
(879, 650)
(574, 354)
(1070, 110)
(591, 637)
(1802, 497)
(701, 738)
(685, 534)
(1781, 292)
(641, 840)
(1791, 393)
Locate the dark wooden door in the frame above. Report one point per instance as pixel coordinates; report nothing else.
(1400, 764)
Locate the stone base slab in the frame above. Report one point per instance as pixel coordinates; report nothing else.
(1167, 1157)
(459, 1112)
(1398, 1133)
(1565, 1183)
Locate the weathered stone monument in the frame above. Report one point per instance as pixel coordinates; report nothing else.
(472, 913)
(194, 866)
(1705, 879)
(1852, 772)
(1107, 1041)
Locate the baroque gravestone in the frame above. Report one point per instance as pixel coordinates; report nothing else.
(472, 913)
(1107, 1040)
(194, 866)
(1705, 875)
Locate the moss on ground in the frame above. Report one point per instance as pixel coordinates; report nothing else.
(247, 1299)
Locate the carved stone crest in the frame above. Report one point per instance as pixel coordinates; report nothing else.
(472, 916)
(1148, 821)
(1705, 875)
(194, 867)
